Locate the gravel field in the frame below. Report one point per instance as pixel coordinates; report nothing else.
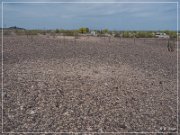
(89, 85)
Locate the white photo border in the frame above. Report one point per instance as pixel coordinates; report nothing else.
(2, 77)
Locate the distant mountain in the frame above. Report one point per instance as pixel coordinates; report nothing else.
(15, 28)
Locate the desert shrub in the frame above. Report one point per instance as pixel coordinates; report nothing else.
(57, 31)
(6, 32)
(143, 34)
(83, 30)
(126, 34)
(171, 45)
(20, 32)
(172, 34)
(68, 33)
(43, 32)
(104, 31)
(137, 34)
(32, 32)
(117, 35)
(53, 34)
(36, 32)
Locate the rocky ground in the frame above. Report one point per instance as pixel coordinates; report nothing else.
(91, 84)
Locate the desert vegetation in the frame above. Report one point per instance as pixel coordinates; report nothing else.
(85, 30)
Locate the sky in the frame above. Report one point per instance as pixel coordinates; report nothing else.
(113, 16)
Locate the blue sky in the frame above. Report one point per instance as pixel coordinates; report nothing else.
(131, 16)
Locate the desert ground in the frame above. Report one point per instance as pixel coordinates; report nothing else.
(89, 84)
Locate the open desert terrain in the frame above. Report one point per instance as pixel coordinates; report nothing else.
(89, 84)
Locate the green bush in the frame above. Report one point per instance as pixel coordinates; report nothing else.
(126, 34)
(104, 31)
(143, 34)
(83, 30)
(57, 31)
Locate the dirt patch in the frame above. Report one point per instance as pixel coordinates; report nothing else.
(88, 87)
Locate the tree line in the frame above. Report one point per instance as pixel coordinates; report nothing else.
(85, 30)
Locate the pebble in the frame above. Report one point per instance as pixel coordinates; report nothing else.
(32, 112)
